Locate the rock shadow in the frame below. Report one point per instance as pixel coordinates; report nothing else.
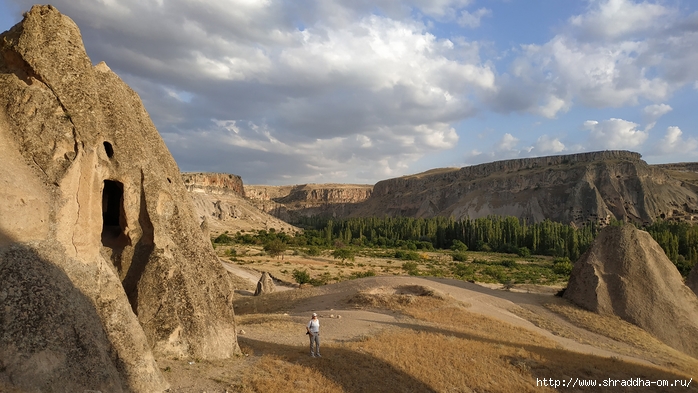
(51, 336)
(355, 372)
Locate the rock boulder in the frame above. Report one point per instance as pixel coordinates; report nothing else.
(265, 285)
(627, 274)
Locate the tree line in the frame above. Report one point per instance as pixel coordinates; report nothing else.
(679, 240)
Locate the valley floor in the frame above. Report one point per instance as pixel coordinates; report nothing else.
(420, 334)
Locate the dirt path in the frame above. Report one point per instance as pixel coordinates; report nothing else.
(251, 275)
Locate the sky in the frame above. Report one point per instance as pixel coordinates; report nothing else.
(328, 91)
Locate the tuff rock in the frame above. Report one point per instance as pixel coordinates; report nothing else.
(627, 274)
(102, 262)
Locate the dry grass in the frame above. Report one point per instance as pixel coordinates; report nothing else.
(620, 330)
(439, 346)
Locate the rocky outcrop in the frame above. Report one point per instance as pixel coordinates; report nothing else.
(102, 261)
(219, 199)
(265, 285)
(569, 188)
(291, 202)
(213, 183)
(627, 274)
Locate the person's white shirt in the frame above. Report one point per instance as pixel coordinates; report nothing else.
(314, 325)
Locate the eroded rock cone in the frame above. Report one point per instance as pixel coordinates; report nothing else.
(265, 285)
(626, 273)
(102, 263)
(692, 280)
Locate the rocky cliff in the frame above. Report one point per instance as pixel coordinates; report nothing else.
(219, 200)
(102, 263)
(568, 188)
(213, 183)
(291, 202)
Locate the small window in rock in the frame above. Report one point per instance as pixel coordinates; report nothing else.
(168, 180)
(109, 149)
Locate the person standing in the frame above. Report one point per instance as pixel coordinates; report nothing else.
(313, 329)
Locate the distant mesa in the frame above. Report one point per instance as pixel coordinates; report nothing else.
(102, 262)
(627, 274)
(576, 188)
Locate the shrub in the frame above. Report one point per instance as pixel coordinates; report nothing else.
(410, 268)
(407, 255)
(524, 252)
(313, 251)
(223, 238)
(460, 256)
(562, 266)
(301, 276)
(508, 263)
(368, 273)
(458, 246)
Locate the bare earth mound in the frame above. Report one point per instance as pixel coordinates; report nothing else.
(102, 263)
(626, 273)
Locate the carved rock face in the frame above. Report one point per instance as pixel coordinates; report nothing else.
(626, 273)
(94, 201)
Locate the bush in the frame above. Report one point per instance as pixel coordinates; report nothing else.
(410, 268)
(368, 273)
(301, 276)
(508, 263)
(562, 266)
(407, 255)
(458, 246)
(460, 256)
(223, 238)
(313, 251)
(524, 252)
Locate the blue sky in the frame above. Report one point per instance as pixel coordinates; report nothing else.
(319, 91)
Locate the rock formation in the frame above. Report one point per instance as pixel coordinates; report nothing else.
(569, 188)
(219, 199)
(291, 202)
(265, 285)
(692, 279)
(626, 273)
(102, 261)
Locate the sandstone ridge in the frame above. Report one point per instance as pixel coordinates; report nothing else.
(102, 264)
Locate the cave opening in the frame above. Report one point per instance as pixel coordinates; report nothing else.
(108, 149)
(113, 217)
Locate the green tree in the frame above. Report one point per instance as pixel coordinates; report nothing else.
(458, 246)
(275, 247)
(301, 276)
(343, 254)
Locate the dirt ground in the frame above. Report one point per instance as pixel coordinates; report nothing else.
(275, 324)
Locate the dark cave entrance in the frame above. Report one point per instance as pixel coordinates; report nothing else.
(113, 217)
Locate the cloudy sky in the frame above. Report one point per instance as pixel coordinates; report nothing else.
(315, 91)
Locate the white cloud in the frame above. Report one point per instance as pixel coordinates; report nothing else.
(614, 134)
(472, 19)
(674, 143)
(508, 142)
(548, 145)
(618, 53)
(651, 113)
(612, 19)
